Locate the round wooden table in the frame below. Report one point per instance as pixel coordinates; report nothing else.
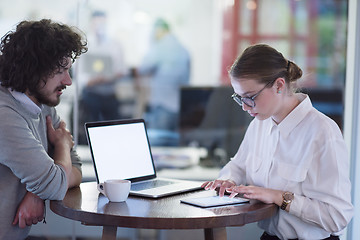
(85, 204)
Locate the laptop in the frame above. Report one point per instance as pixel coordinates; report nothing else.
(120, 149)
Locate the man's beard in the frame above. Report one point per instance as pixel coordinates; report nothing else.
(43, 99)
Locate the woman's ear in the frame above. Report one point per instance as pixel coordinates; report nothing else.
(280, 85)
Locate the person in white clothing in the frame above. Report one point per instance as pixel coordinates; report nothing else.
(292, 155)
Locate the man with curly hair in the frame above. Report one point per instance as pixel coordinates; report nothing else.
(37, 161)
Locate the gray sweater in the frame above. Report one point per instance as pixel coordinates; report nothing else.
(25, 161)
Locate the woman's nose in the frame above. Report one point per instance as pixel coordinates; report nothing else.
(245, 107)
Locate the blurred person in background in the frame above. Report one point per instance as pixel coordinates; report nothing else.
(167, 65)
(99, 70)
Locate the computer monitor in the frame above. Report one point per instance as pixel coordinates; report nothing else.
(210, 118)
(328, 101)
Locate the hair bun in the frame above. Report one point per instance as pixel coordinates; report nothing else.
(294, 71)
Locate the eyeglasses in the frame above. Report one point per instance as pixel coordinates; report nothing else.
(249, 101)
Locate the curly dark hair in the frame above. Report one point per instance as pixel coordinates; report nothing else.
(35, 51)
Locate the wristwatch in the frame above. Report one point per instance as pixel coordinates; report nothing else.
(287, 199)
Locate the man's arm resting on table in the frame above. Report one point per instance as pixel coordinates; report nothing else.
(30, 211)
(31, 208)
(75, 178)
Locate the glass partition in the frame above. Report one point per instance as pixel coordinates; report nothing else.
(206, 36)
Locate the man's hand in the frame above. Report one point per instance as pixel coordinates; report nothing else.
(30, 211)
(62, 140)
(60, 137)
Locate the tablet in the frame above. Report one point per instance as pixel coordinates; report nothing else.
(214, 201)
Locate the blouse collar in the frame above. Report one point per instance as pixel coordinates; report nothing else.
(295, 116)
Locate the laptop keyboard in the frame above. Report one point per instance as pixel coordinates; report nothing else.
(150, 184)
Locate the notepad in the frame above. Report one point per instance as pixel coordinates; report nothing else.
(214, 201)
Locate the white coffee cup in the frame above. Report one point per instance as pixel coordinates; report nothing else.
(116, 190)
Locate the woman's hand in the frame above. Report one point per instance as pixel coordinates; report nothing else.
(218, 185)
(265, 195)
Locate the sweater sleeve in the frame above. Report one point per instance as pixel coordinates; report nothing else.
(24, 151)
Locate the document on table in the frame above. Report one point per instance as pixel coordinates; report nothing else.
(214, 201)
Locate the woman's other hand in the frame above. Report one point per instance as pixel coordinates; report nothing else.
(265, 195)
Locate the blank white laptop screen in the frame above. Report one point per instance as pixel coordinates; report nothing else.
(121, 151)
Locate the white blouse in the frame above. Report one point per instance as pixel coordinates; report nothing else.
(304, 154)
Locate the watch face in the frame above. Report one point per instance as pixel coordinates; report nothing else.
(288, 196)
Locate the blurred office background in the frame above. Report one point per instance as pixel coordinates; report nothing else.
(209, 35)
